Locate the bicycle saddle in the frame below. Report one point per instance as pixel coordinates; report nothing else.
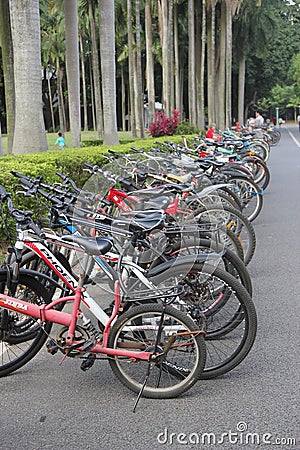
(93, 246)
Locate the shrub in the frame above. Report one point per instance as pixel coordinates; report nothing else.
(186, 127)
(163, 125)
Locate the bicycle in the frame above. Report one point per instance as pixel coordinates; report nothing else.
(168, 342)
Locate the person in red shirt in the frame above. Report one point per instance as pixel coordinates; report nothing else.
(210, 134)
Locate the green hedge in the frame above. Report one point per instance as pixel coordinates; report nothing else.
(68, 161)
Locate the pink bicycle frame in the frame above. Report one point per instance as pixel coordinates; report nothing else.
(47, 313)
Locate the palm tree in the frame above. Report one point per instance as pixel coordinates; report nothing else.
(72, 66)
(191, 62)
(107, 52)
(8, 69)
(54, 51)
(211, 60)
(131, 70)
(139, 82)
(150, 87)
(29, 135)
(231, 8)
(254, 19)
(96, 70)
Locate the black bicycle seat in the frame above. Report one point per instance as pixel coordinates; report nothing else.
(93, 246)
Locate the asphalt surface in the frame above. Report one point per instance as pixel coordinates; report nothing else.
(48, 406)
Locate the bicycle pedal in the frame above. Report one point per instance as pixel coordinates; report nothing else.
(88, 362)
(52, 347)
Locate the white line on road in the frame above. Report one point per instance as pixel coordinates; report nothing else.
(294, 139)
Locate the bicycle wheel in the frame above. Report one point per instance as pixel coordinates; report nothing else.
(228, 261)
(21, 337)
(261, 149)
(180, 346)
(259, 170)
(234, 221)
(250, 194)
(229, 311)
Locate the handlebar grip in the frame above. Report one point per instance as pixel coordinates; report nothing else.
(3, 192)
(19, 175)
(36, 229)
(89, 165)
(137, 150)
(61, 175)
(114, 152)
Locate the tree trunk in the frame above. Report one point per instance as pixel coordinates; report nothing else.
(171, 57)
(108, 70)
(92, 96)
(165, 64)
(178, 96)
(98, 111)
(191, 63)
(85, 113)
(1, 145)
(61, 108)
(72, 67)
(241, 90)
(221, 79)
(211, 64)
(131, 113)
(123, 99)
(29, 135)
(8, 70)
(149, 64)
(49, 77)
(140, 92)
(200, 104)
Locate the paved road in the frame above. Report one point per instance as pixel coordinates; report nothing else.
(47, 406)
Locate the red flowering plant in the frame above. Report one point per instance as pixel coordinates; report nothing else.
(163, 125)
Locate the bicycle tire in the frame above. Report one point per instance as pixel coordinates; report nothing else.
(231, 262)
(260, 171)
(250, 194)
(169, 377)
(235, 222)
(231, 321)
(19, 345)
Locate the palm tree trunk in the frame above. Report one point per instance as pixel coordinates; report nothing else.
(49, 76)
(123, 86)
(92, 97)
(211, 63)
(191, 62)
(108, 70)
(178, 96)
(98, 111)
(140, 92)
(8, 70)
(165, 64)
(221, 78)
(85, 113)
(149, 63)
(131, 113)
(241, 90)
(72, 67)
(29, 135)
(200, 110)
(171, 56)
(61, 109)
(1, 146)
